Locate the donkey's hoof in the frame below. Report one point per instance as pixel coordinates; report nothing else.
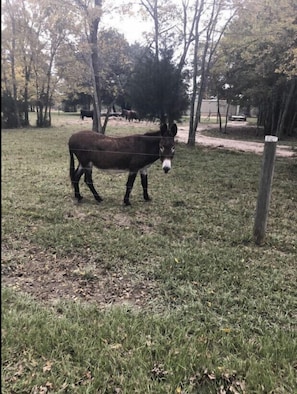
(127, 203)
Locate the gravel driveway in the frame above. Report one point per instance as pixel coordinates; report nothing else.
(243, 146)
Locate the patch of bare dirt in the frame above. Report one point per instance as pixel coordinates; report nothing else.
(49, 278)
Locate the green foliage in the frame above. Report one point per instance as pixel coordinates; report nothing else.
(116, 64)
(115, 67)
(157, 89)
(257, 60)
(166, 296)
(9, 118)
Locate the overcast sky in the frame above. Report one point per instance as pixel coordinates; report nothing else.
(132, 29)
(131, 26)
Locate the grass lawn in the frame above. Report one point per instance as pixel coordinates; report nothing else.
(170, 296)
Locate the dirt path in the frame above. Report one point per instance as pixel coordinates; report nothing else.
(243, 146)
(201, 139)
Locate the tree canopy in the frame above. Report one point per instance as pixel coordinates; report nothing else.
(157, 90)
(257, 58)
(54, 52)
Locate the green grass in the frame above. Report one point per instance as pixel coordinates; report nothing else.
(170, 296)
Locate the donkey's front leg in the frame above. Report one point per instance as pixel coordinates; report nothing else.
(144, 183)
(89, 182)
(129, 187)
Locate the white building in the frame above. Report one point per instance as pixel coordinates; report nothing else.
(210, 108)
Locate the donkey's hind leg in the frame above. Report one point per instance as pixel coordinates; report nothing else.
(75, 182)
(144, 183)
(89, 182)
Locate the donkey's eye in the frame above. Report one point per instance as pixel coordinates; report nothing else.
(173, 149)
(162, 149)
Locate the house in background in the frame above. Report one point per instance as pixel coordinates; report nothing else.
(209, 108)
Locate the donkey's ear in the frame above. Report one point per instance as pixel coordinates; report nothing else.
(163, 128)
(173, 130)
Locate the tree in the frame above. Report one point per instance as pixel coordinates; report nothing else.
(157, 89)
(106, 62)
(115, 67)
(10, 69)
(163, 14)
(165, 79)
(36, 38)
(189, 26)
(208, 32)
(89, 14)
(93, 41)
(195, 73)
(261, 63)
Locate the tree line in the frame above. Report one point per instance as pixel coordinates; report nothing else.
(57, 53)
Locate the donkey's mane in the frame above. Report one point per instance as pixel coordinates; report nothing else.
(152, 133)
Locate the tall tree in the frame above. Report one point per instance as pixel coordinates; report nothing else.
(192, 30)
(116, 66)
(93, 40)
(209, 30)
(10, 55)
(195, 72)
(89, 14)
(157, 89)
(37, 37)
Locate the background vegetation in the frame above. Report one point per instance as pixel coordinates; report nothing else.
(170, 296)
(61, 55)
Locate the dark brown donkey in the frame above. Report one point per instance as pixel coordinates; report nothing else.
(132, 153)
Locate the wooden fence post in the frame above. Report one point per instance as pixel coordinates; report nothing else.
(265, 188)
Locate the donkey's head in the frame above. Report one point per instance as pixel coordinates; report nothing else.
(166, 146)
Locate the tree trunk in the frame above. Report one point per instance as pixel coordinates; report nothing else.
(109, 108)
(219, 112)
(210, 46)
(93, 40)
(226, 118)
(192, 130)
(14, 83)
(26, 95)
(287, 97)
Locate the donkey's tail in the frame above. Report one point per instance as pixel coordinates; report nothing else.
(72, 167)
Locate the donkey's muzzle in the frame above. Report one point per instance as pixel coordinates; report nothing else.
(166, 165)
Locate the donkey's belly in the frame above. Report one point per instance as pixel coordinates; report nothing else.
(120, 161)
(113, 171)
(121, 170)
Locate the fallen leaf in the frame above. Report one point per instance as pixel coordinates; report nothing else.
(47, 367)
(226, 330)
(116, 346)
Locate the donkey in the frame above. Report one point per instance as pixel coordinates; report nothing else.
(133, 153)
